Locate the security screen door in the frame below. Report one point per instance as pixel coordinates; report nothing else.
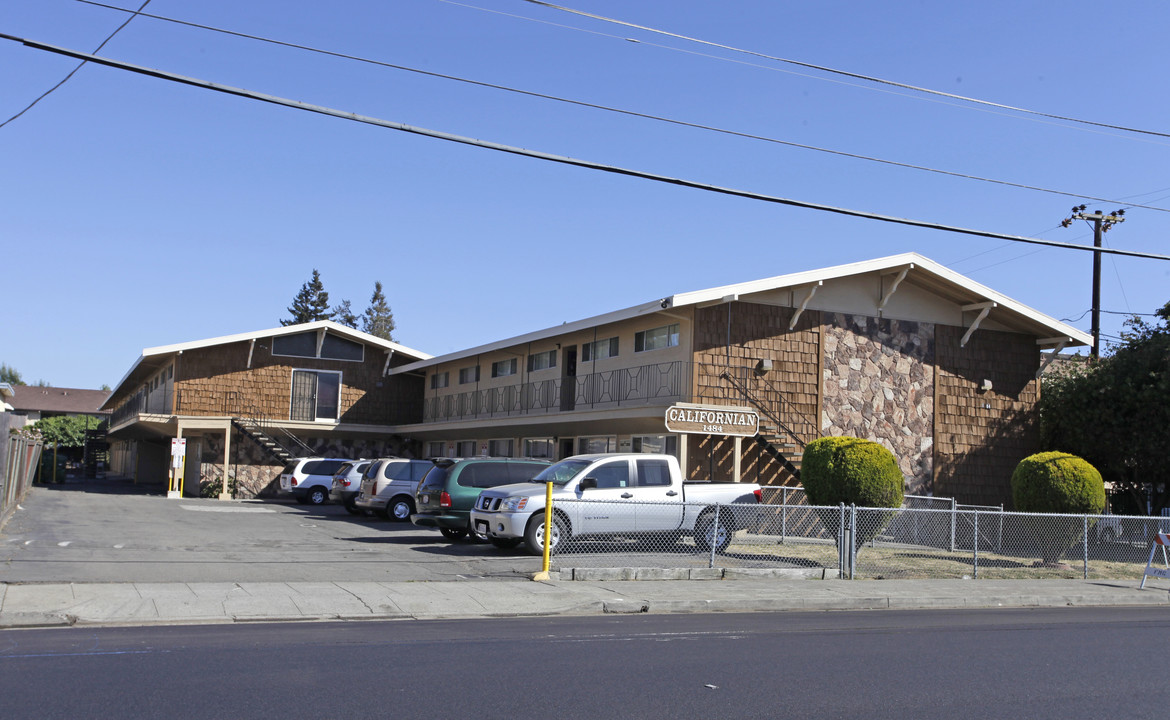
(315, 395)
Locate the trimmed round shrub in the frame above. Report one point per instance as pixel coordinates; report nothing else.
(1057, 482)
(852, 471)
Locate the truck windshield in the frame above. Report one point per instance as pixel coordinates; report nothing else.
(562, 472)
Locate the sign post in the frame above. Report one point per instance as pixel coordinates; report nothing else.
(178, 458)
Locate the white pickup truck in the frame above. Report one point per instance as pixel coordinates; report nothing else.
(608, 495)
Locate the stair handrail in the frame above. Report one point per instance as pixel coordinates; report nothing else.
(248, 414)
(763, 408)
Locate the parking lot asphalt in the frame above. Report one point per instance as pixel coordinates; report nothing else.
(110, 552)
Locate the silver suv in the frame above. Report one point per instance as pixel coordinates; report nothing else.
(347, 484)
(309, 479)
(388, 487)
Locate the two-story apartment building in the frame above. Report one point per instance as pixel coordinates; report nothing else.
(940, 369)
(246, 403)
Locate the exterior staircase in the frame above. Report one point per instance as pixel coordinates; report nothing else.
(97, 450)
(783, 449)
(263, 436)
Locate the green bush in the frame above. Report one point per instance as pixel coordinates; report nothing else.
(1056, 482)
(852, 471)
(858, 472)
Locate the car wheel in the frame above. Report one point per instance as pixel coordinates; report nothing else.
(505, 543)
(400, 509)
(708, 534)
(534, 534)
(453, 533)
(317, 495)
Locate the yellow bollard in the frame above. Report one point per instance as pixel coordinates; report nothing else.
(543, 574)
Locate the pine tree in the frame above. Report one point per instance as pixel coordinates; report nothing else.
(377, 320)
(343, 314)
(310, 304)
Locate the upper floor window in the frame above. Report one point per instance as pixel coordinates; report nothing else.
(656, 339)
(469, 375)
(440, 380)
(333, 347)
(503, 368)
(599, 350)
(542, 360)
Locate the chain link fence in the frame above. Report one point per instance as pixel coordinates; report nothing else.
(927, 538)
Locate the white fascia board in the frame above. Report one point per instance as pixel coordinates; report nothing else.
(563, 329)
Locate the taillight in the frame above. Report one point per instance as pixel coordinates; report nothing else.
(345, 482)
(759, 495)
(444, 500)
(294, 482)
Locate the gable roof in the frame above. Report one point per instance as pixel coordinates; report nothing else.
(78, 401)
(154, 358)
(920, 271)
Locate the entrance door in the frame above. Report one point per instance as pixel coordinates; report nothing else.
(569, 378)
(315, 395)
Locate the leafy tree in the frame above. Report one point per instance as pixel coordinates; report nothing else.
(377, 320)
(344, 315)
(104, 387)
(1057, 482)
(1115, 412)
(9, 375)
(855, 472)
(66, 430)
(310, 304)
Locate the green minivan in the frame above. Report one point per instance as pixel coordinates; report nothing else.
(445, 496)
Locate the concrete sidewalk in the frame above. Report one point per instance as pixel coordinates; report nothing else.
(63, 604)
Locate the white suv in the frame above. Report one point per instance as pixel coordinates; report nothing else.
(388, 487)
(309, 479)
(347, 483)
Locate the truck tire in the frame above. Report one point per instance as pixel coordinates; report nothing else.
(534, 534)
(708, 534)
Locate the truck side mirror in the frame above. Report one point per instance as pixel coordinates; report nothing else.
(587, 483)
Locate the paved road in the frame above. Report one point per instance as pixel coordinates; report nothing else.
(111, 531)
(1042, 664)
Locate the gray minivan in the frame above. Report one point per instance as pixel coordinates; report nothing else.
(388, 487)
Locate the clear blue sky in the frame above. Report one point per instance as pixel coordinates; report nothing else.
(136, 212)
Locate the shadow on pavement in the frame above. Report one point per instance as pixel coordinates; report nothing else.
(107, 485)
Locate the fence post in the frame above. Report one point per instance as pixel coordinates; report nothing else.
(852, 541)
(714, 536)
(783, 514)
(953, 509)
(976, 544)
(841, 541)
(1085, 544)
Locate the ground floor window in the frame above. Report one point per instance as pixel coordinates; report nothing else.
(602, 444)
(666, 444)
(500, 448)
(465, 448)
(540, 448)
(437, 448)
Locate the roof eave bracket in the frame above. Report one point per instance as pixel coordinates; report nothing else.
(894, 288)
(1060, 343)
(984, 308)
(812, 290)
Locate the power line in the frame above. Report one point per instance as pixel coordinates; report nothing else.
(64, 80)
(564, 160)
(631, 113)
(846, 73)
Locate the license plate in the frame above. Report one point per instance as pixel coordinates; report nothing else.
(481, 526)
(426, 499)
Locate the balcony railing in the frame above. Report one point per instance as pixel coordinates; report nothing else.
(644, 385)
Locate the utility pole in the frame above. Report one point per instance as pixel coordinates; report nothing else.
(1101, 224)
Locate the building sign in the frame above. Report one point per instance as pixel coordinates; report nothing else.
(712, 420)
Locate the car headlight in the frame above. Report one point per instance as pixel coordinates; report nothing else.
(513, 504)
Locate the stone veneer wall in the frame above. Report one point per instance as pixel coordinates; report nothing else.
(982, 435)
(258, 476)
(879, 385)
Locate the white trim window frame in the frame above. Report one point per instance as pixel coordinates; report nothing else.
(316, 348)
(316, 397)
